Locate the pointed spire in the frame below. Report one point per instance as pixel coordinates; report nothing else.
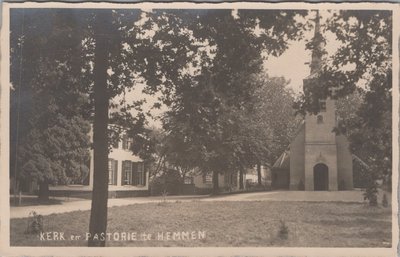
(318, 44)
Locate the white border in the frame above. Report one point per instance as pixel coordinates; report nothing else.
(5, 250)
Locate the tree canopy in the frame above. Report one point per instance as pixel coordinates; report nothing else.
(209, 109)
(49, 135)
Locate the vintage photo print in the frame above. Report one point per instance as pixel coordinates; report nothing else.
(228, 129)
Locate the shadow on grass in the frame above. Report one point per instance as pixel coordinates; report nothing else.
(32, 201)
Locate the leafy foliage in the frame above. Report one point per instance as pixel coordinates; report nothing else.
(210, 111)
(221, 110)
(49, 135)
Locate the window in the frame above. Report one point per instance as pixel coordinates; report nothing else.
(207, 178)
(133, 173)
(126, 142)
(188, 180)
(322, 105)
(112, 171)
(227, 178)
(139, 173)
(127, 177)
(234, 177)
(320, 119)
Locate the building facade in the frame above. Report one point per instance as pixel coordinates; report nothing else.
(317, 158)
(230, 181)
(127, 175)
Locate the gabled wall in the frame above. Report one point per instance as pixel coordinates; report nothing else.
(320, 145)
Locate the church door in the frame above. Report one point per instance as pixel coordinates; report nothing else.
(321, 180)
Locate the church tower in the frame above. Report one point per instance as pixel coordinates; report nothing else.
(317, 158)
(320, 142)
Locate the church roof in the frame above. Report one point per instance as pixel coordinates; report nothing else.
(283, 161)
(358, 159)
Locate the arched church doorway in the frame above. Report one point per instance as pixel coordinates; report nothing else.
(321, 179)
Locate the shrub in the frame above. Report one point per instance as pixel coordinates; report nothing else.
(170, 181)
(283, 232)
(371, 193)
(35, 223)
(385, 202)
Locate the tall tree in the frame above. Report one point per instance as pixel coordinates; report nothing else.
(210, 115)
(274, 116)
(150, 146)
(45, 100)
(53, 58)
(102, 37)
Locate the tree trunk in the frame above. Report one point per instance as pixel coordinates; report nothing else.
(259, 174)
(98, 215)
(215, 183)
(241, 185)
(15, 191)
(182, 187)
(44, 191)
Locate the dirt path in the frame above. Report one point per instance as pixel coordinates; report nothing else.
(76, 204)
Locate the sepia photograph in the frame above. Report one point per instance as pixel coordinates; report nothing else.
(227, 126)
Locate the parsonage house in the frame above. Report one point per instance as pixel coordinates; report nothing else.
(318, 158)
(126, 175)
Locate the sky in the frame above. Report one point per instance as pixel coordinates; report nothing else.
(291, 65)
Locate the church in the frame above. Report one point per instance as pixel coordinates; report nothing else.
(317, 159)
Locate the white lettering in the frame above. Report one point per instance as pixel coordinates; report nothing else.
(176, 236)
(185, 235)
(202, 234)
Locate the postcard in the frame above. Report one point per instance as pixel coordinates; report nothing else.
(199, 129)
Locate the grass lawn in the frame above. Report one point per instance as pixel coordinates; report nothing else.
(310, 224)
